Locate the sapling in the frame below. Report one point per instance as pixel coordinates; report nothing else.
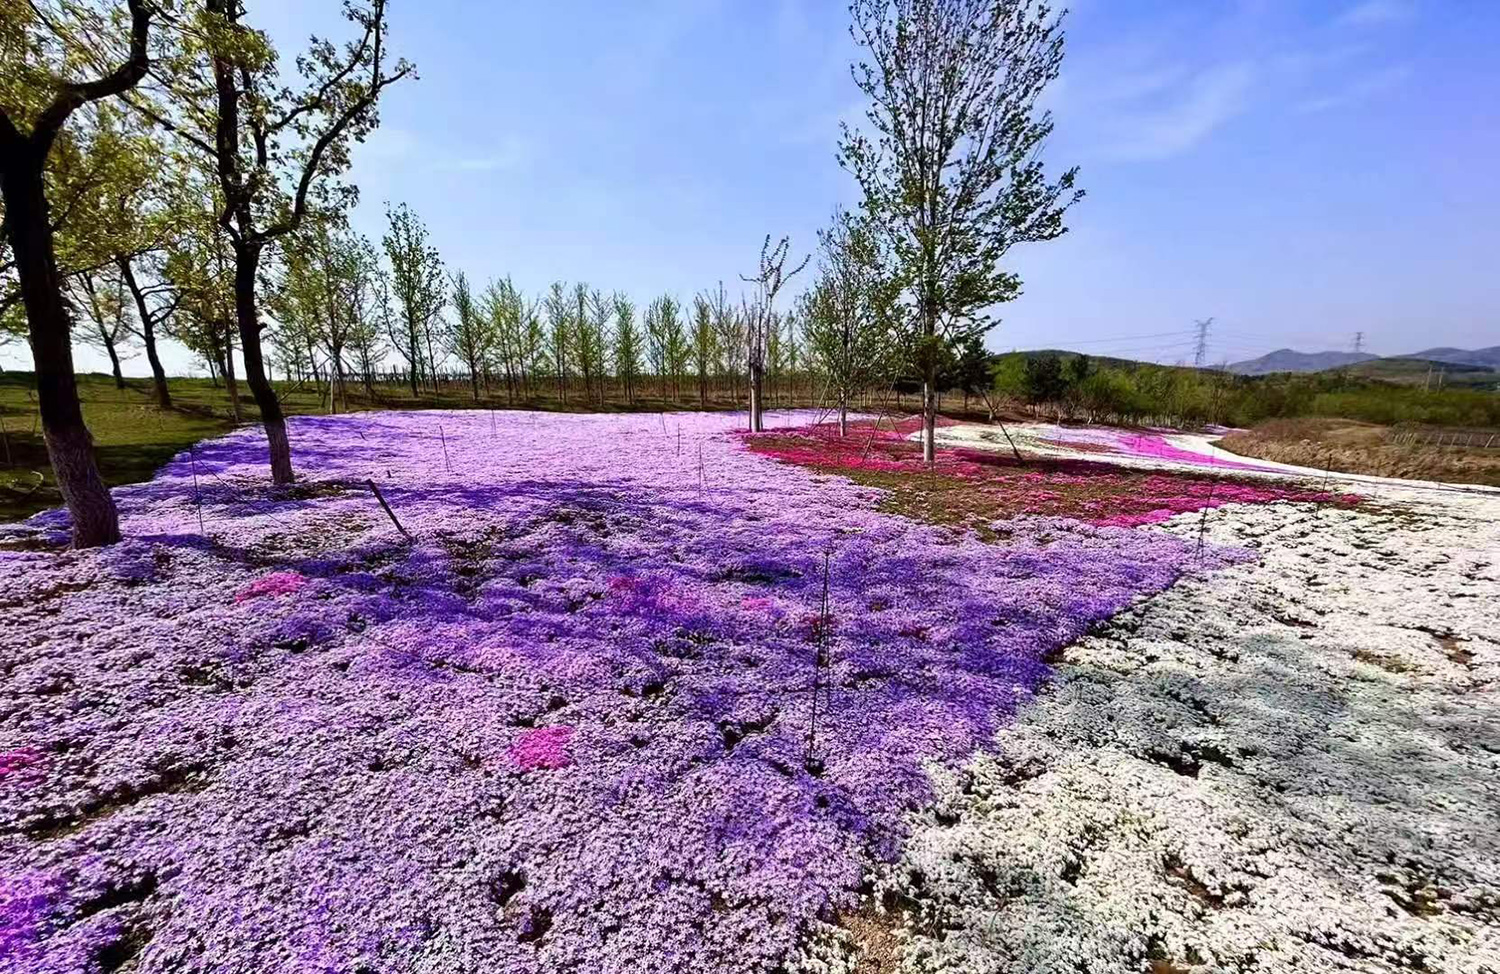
(197, 497)
(1203, 521)
(812, 762)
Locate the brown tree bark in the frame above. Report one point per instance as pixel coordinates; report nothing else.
(114, 358)
(69, 445)
(148, 332)
(229, 379)
(246, 264)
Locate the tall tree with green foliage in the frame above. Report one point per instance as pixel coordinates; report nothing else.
(705, 344)
(200, 267)
(505, 308)
(469, 336)
(119, 211)
(588, 341)
(276, 150)
(533, 342)
(627, 349)
(601, 313)
(729, 332)
(101, 294)
(418, 284)
(372, 316)
(327, 270)
(41, 48)
(849, 313)
(950, 166)
(560, 335)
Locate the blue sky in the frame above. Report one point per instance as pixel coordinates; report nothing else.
(1298, 170)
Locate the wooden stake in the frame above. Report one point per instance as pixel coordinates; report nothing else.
(387, 508)
(197, 497)
(446, 465)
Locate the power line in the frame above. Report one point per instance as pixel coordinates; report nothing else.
(1132, 338)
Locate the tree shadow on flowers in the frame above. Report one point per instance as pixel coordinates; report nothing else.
(363, 714)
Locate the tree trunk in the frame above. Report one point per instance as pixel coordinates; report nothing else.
(148, 333)
(341, 390)
(69, 445)
(114, 358)
(757, 401)
(929, 417)
(843, 417)
(246, 263)
(229, 380)
(416, 352)
(432, 361)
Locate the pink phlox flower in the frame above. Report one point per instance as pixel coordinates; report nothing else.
(544, 747)
(276, 583)
(19, 759)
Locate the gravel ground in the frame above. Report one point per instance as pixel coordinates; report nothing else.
(1290, 765)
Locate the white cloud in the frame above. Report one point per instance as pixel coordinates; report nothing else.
(1208, 100)
(1358, 90)
(1371, 13)
(512, 152)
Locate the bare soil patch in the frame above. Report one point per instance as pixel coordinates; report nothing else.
(1349, 446)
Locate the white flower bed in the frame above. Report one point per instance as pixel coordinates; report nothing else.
(1290, 765)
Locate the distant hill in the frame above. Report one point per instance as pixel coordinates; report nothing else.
(1488, 357)
(1426, 372)
(1288, 360)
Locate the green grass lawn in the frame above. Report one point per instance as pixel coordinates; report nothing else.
(132, 437)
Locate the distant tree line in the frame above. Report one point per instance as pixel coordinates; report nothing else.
(1077, 388)
(165, 175)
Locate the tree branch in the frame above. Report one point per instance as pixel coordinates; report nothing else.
(118, 81)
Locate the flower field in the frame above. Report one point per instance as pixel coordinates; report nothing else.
(620, 693)
(978, 482)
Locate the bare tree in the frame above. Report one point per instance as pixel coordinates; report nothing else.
(761, 318)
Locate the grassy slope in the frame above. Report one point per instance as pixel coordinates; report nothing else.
(1420, 372)
(1364, 448)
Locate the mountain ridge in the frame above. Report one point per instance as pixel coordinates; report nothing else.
(1291, 360)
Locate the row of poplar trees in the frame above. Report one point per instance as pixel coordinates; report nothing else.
(155, 157)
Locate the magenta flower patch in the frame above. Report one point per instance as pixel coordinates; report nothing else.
(545, 747)
(18, 760)
(368, 776)
(276, 583)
